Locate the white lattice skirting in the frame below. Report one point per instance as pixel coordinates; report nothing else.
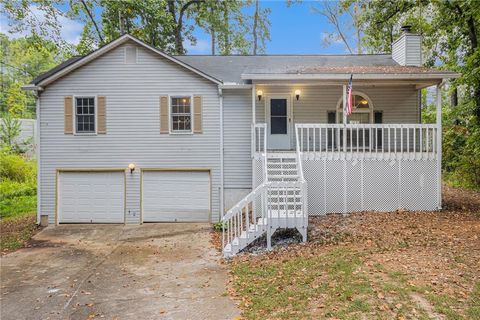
(341, 186)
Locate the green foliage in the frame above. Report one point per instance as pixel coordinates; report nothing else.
(16, 168)
(10, 129)
(17, 185)
(23, 59)
(450, 31)
(218, 226)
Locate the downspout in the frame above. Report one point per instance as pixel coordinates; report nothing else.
(222, 204)
(37, 152)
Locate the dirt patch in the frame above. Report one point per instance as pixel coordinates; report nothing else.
(16, 233)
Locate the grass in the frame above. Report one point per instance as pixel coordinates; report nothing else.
(334, 284)
(420, 266)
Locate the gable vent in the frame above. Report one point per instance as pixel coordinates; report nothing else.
(130, 55)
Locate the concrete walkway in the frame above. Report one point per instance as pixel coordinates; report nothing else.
(152, 271)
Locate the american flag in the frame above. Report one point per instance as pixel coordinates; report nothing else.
(349, 104)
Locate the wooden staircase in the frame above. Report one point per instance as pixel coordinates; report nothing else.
(279, 202)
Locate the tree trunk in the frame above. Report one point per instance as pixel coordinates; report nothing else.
(177, 31)
(226, 39)
(255, 22)
(454, 98)
(212, 34)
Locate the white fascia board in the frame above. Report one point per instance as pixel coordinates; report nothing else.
(113, 45)
(235, 86)
(32, 87)
(342, 76)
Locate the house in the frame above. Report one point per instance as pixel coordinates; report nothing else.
(129, 134)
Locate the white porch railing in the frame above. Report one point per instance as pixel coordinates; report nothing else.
(367, 141)
(259, 138)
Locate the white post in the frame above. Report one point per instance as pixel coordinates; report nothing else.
(344, 156)
(253, 142)
(438, 92)
(344, 104)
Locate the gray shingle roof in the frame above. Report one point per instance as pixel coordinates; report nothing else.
(54, 70)
(230, 68)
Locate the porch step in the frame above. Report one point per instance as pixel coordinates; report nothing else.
(254, 232)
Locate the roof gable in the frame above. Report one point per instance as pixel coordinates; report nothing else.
(77, 62)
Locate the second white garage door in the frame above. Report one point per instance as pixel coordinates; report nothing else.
(175, 196)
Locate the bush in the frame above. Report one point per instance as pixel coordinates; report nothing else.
(460, 144)
(16, 168)
(17, 185)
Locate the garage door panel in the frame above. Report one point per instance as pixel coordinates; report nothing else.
(176, 196)
(91, 197)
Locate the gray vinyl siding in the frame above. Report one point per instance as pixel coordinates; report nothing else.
(413, 50)
(399, 104)
(407, 50)
(132, 93)
(237, 113)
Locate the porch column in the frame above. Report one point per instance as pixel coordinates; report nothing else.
(253, 119)
(438, 92)
(344, 105)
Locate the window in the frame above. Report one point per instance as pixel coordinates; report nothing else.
(85, 115)
(362, 110)
(181, 113)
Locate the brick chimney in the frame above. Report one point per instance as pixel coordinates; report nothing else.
(407, 50)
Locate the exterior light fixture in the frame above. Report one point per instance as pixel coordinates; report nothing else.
(259, 94)
(297, 93)
(131, 166)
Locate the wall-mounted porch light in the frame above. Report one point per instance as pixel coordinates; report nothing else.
(259, 94)
(297, 93)
(131, 166)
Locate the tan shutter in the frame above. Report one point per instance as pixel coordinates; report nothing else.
(164, 114)
(197, 114)
(101, 115)
(68, 114)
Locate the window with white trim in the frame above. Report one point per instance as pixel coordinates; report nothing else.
(181, 114)
(85, 114)
(362, 110)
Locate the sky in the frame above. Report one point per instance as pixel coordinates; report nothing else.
(294, 29)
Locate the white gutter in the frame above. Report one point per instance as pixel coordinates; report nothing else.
(344, 76)
(222, 204)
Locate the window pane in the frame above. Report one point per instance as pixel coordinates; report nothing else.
(181, 117)
(278, 125)
(85, 115)
(278, 107)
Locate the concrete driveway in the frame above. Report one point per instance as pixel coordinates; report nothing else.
(152, 271)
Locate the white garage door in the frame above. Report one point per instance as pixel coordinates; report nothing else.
(91, 197)
(176, 196)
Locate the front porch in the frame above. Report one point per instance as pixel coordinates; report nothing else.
(366, 163)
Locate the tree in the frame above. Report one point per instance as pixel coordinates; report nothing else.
(450, 31)
(21, 60)
(344, 16)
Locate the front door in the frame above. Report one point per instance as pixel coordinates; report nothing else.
(278, 120)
